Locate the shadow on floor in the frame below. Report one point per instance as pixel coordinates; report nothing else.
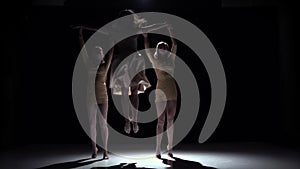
(177, 164)
(181, 163)
(123, 166)
(70, 164)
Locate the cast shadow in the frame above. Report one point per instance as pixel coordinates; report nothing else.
(123, 166)
(181, 163)
(70, 164)
(177, 164)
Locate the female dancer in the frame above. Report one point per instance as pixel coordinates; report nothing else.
(163, 61)
(123, 80)
(100, 92)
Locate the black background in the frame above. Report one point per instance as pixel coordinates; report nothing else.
(255, 40)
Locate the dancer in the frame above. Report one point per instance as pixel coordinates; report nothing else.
(91, 59)
(123, 80)
(163, 61)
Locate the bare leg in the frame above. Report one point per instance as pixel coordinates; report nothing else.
(134, 98)
(171, 111)
(92, 113)
(125, 106)
(103, 125)
(161, 113)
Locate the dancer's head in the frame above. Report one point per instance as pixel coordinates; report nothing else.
(162, 49)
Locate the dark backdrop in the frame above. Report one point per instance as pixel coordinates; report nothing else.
(255, 41)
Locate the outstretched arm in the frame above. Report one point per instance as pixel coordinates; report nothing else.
(146, 44)
(153, 27)
(90, 29)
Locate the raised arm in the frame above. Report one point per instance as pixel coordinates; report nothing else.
(153, 27)
(110, 55)
(174, 43)
(83, 53)
(147, 48)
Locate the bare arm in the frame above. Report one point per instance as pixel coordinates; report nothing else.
(110, 55)
(174, 43)
(146, 44)
(83, 53)
(153, 27)
(90, 29)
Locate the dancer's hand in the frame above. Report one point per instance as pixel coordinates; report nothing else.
(76, 27)
(145, 35)
(170, 29)
(80, 28)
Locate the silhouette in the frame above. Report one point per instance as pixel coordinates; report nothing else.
(70, 164)
(180, 163)
(163, 60)
(91, 58)
(177, 164)
(123, 80)
(122, 165)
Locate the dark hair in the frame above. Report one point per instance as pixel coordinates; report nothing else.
(159, 45)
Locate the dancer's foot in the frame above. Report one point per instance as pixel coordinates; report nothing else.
(170, 153)
(94, 154)
(105, 155)
(135, 127)
(158, 152)
(127, 126)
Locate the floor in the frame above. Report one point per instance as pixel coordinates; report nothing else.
(203, 156)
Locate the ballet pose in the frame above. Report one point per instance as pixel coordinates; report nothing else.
(91, 58)
(163, 60)
(124, 81)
